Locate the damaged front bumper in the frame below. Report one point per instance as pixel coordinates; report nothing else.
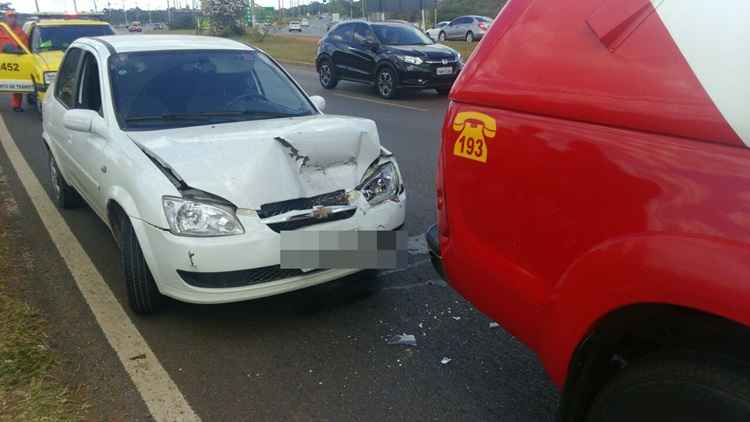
(247, 266)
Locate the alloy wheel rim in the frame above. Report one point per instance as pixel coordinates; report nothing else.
(469, 37)
(385, 83)
(441, 36)
(325, 74)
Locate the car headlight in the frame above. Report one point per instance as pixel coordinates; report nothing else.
(193, 218)
(411, 59)
(459, 58)
(49, 77)
(381, 184)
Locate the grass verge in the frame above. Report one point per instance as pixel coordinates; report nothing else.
(302, 50)
(30, 378)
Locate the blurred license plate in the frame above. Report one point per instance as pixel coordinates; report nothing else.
(448, 70)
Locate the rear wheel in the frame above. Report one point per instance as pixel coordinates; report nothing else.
(64, 195)
(327, 74)
(689, 389)
(143, 295)
(386, 83)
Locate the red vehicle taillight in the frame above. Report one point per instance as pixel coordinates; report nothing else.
(483, 25)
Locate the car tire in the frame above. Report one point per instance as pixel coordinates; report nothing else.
(327, 74)
(143, 295)
(64, 195)
(687, 389)
(469, 36)
(441, 37)
(386, 83)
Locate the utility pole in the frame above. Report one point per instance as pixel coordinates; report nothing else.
(252, 13)
(36, 2)
(125, 9)
(362, 3)
(95, 8)
(75, 6)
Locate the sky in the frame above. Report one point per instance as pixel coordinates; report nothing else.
(27, 6)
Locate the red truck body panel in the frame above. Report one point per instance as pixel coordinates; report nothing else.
(584, 168)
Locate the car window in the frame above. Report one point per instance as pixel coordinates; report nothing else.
(342, 33)
(160, 89)
(391, 34)
(362, 33)
(58, 38)
(89, 95)
(65, 85)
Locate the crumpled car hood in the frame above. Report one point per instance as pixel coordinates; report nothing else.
(259, 162)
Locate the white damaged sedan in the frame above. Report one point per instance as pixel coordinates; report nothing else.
(199, 153)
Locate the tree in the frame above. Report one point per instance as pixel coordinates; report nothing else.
(449, 9)
(225, 16)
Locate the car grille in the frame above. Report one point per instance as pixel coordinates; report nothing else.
(241, 278)
(325, 200)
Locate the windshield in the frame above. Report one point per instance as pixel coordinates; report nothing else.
(60, 37)
(154, 90)
(400, 35)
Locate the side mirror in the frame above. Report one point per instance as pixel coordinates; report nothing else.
(87, 121)
(319, 102)
(371, 44)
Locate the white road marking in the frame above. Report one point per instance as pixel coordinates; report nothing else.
(158, 390)
(386, 103)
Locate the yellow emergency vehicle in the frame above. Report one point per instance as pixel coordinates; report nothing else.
(31, 68)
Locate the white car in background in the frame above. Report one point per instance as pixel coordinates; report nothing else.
(295, 26)
(434, 32)
(305, 23)
(198, 153)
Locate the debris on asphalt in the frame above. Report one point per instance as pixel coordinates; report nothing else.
(445, 360)
(421, 325)
(403, 339)
(138, 357)
(494, 325)
(457, 318)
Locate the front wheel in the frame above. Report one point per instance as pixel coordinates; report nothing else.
(327, 74)
(65, 196)
(687, 389)
(143, 295)
(441, 37)
(386, 83)
(469, 36)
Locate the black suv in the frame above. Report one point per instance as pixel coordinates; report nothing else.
(390, 56)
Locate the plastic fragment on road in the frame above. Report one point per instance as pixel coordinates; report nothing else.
(403, 339)
(457, 318)
(445, 360)
(494, 325)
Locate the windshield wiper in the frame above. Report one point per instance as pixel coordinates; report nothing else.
(167, 117)
(258, 113)
(206, 116)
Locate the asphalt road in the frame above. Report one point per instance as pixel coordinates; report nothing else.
(316, 354)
